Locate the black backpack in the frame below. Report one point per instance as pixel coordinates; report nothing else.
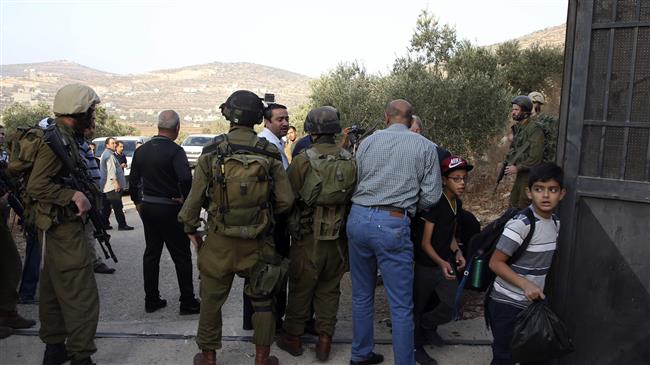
(482, 246)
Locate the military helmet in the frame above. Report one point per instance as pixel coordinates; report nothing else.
(243, 107)
(323, 120)
(536, 97)
(74, 99)
(524, 103)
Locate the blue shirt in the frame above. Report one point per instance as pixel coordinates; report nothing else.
(398, 168)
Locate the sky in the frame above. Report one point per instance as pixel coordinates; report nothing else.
(308, 37)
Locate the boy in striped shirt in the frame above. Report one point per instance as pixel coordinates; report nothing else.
(519, 283)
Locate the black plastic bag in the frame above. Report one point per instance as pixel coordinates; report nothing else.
(539, 335)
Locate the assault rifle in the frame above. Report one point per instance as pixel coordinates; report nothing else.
(78, 179)
(502, 173)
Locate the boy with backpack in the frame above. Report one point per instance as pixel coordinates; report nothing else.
(438, 258)
(520, 279)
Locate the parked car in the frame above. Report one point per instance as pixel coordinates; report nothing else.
(193, 145)
(129, 149)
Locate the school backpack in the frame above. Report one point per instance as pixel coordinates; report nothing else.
(481, 248)
(327, 189)
(241, 190)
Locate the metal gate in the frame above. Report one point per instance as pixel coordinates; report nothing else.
(601, 277)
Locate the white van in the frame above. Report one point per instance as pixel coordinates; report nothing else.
(129, 148)
(193, 145)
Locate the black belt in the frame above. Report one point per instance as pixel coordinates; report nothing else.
(159, 200)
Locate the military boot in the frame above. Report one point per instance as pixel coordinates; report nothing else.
(205, 358)
(262, 356)
(290, 344)
(55, 354)
(323, 347)
(14, 320)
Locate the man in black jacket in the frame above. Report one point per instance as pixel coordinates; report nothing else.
(159, 183)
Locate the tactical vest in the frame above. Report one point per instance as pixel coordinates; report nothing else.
(327, 191)
(549, 127)
(241, 189)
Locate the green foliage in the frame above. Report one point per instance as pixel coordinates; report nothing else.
(350, 89)
(432, 43)
(107, 126)
(460, 91)
(21, 115)
(532, 69)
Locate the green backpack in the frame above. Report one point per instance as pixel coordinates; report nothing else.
(327, 189)
(549, 126)
(242, 189)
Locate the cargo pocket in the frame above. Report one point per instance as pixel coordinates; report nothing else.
(66, 247)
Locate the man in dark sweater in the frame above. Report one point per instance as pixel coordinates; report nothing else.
(160, 181)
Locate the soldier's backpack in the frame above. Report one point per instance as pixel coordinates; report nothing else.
(242, 188)
(327, 189)
(549, 126)
(23, 145)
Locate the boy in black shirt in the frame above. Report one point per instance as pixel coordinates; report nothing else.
(438, 258)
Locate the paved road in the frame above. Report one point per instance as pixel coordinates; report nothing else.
(122, 314)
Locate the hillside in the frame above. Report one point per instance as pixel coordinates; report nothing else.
(194, 91)
(552, 36)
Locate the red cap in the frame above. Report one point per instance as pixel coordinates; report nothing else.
(452, 163)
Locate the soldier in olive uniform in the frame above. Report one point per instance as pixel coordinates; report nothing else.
(526, 150)
(323, 178)
(548, 122)
(242, 183)
(69, 302)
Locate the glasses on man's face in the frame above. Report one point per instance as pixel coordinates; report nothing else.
(458, 179)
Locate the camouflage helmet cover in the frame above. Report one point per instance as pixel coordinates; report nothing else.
(243, 107)
(74, 99)
(524, 103)
(323, 120)
(536, 97)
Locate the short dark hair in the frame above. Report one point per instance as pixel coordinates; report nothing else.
(544, 172)
(108, 139)
(119, 143)
(268, 111)
(292, 127)
(92, 144)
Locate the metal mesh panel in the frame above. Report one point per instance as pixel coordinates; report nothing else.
(626, 10)
(637, 148)
(603, 11)
(613, 152)
(645, 10)
(590, 151)
(641, 95)
(597, 74)
(619, 85)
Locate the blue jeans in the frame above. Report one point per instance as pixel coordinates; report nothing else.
(379, 238)
(32, 266)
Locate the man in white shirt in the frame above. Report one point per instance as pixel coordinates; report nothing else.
(276, 126)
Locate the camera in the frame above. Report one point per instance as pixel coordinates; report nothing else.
(356, 130)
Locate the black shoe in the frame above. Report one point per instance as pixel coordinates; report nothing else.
(422, 358)
(433, 338)
(108, 227)
(55, 354)
(190, 307)
(6, 332)
(86, 361)
(125, 228)
(103, 269)
(373, 359)
(152, 306)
